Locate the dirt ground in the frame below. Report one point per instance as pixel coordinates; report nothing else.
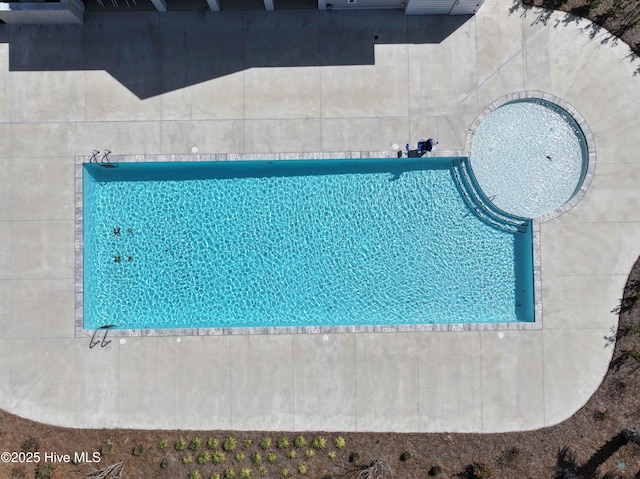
(591, 439)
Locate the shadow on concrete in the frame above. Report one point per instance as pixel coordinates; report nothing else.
(152, 53)
(610, 26)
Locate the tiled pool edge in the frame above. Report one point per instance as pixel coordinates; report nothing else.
(79, 245)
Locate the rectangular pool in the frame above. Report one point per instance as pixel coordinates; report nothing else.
(295, 243)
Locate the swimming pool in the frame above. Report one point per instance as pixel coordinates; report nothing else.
(259, 244)
(530, 156)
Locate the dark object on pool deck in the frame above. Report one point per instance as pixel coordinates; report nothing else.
(426, 145)
(104, 341)
(414, 154)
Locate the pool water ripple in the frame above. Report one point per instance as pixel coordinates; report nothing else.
(362, 244)
(529, 156)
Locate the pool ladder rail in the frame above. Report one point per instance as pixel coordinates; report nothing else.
(94, 342)
(483, 206)
(104, 162)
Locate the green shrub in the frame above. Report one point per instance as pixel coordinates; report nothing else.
(319, 442)
(265, 443)
(300, 441)
(194, 475)
(256, 458)
(106, 449)
(215, 475)
(331, 455)
(340, 442)
(163, 445)
(302, 469)
(247, 442)
(44, 471)
(635, 354)
(239, 457)
(29, 445)
(480, 470)
(180, 444)
(245, 472)
(204, 458)
(229, 444)
(282, 442)
(212, 443)
(436, 470)
(292, 454)
(218, 457)
(284, 472)
(262, 469)
(229, 474)
(195, 444)
(272, 457)
(188, 459)
(309, 453)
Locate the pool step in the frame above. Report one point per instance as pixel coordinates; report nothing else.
(483, 207)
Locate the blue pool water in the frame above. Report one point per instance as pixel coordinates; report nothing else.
(529, 156)
(295, 243)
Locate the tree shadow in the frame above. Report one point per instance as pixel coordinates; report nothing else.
(588, 469)
(624, 23)
(153, 53)
(630, 298)
(566, 464)
(628, 323)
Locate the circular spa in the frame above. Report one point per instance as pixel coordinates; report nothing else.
(530, 157)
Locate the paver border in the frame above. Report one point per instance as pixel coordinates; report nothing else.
(79, 300)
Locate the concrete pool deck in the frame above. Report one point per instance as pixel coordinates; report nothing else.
(322, 87)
